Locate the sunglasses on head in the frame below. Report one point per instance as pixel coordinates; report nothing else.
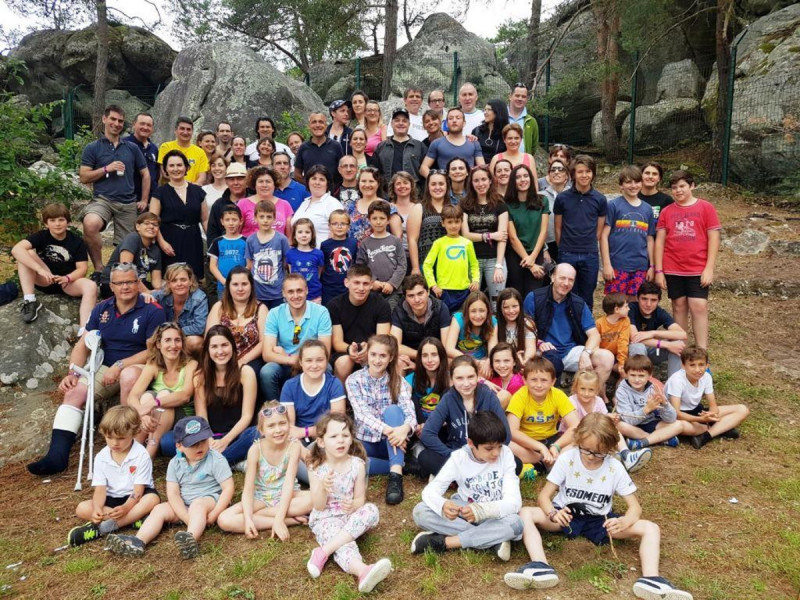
(437, 172)
(296, 338)
(269, 411)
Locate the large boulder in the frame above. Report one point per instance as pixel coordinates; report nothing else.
(666, 124)
(622, 111)
(680, 80)
(765, 126)
(335, 80)
(212, 82)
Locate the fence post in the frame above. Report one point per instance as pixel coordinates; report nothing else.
(358, 72)
(726, 147)
(455, 79)
(66, 115)
(547, 110)
(632, 130)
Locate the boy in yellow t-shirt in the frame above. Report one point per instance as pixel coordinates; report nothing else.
(615, 328)
(534, 413)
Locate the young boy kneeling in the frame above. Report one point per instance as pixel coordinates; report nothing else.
(584, 481)
(199, 487)
(483, 512)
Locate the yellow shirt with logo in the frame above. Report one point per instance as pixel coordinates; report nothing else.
(198, 161)
(539, 420)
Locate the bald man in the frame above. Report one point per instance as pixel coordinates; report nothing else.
(468, 100)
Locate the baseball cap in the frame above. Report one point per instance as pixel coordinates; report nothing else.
(236, 169)
(190, 430)
(398, 112)
(337, 104)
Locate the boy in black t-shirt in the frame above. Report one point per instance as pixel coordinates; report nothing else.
(652, 173)
(654, 333)
(54, 261)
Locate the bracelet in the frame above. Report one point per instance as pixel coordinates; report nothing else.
(556, 446)
(75, 373)
(659, 270)
(498, 266)
(651, 267)
(68, 278)
(552, 514)
(658, 344)
(158, 401)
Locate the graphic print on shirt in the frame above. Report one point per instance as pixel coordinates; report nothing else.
(54, 254)
(135, 328)
(145, 262)
(485, 487)
(456, 252)
(685, 229)
(540, 417)
(631, 222)
(267, 265)
(341, 259)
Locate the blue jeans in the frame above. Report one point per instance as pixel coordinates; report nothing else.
(271, 379)
(586, 267)
(236, 452)
(381, 455)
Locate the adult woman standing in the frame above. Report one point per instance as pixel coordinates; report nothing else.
(319, 206)
(403, 196)
(217, 169)
(358, 101)
(265, 149)
(527, 231)
(550, 186)
(512, 137)
(358, 147)
(374, 126)
(502, 173)
(240, 312)
(425, 221)
(489, 133)
(181, 206)
(369, 184)
(238, 147)
(185, 303)
(207, 140)
(457, 172)
(263, 180)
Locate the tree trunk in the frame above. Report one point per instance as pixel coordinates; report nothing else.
(723, 44)
(389, 47)
(406, 22)
(607, 18)
(533, 43)
(101, 72)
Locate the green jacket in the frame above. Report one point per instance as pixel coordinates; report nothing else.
(530, 134)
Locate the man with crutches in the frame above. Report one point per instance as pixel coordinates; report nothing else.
(125, 322)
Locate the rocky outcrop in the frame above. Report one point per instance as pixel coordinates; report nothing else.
(212, 82)
(622, 111)
(666, 124)
(680, 80)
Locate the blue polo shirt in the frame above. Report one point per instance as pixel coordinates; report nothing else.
(294, 194)
(560, 333)
(328, 155)
(151, 158)
(316, 322)
(579, 213)
(307, 408)
(123, 335)
(111, 186)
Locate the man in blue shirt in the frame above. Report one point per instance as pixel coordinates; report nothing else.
(288, 326)
(142, 130)
(567, 334)
(110, 164)
(286, 187)
(125, 323)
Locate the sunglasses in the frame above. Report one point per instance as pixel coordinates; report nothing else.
(586, 452)
(557, 169)
(297, 330)
(562, 146)
(277, 410)
(437, 172)
(519, 84)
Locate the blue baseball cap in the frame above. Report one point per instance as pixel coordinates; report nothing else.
(190, 430)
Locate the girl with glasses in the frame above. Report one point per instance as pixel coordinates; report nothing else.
(551, 185)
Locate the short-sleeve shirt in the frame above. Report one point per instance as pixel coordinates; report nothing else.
(60, 256)
(111, 186)
(229, 253)
(539, 420)
(203, 479)
(316, 322)
(657, 202)
(659, 318)
(686, 243)
(136, 469)
(630, 227)
(594, 489)
(269, 261)
(327, 155)
(442, 151)
(560, 332)
(318, 211)
(146, 259)
(679, 386)
(598, 407)
(294, 194)
(338, 256)
(528, 222)
(469, 343)
(579, 214)
(359, 322)
(150, 154)
(483, 220)
(198, 161)
(124, 335)
(307, 263)
(308, 408)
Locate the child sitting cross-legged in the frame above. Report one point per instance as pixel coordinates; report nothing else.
(576, 500)
(483, 512)
(199, 487)
(122, 479)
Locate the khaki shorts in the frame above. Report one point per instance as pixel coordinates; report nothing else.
(104, 392)
(121, 214)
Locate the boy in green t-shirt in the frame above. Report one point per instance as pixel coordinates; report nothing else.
(457, 272)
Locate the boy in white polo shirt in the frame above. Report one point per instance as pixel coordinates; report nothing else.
(122, 479)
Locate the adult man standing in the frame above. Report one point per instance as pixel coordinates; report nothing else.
(142, 130)
(468, 99)
(287, 327)
(286, 187)
(109, 164)
(319, 149)
(198, 161)
(420, 315)
(436, 102)
(518, 113)
(125, 323)
(338, 130)
(453, 144)
(224, 138)
(399, 152)
(412, 99)
(567, 334)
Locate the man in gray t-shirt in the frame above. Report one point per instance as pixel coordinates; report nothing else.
(454, 144)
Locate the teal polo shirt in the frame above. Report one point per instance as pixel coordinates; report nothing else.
(316, 322)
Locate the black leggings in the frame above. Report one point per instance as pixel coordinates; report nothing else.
(522, 279)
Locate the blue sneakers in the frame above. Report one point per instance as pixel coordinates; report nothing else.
(672, 442)
(658, 588)
(537, 575)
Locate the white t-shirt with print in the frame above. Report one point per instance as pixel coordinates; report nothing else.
(691, 396)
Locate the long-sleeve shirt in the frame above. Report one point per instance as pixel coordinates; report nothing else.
(385, 257)
(630, 405)
(456, 264)
(494, 486)
(369, 397)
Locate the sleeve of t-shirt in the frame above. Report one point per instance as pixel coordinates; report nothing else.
(213, 249)
(433, 150)
(563, 405)
(710, 216)
(674, 385)
(144, 471)
(138, 157)
(546, 209)
(288, 390)
(98, 475)
(131, 243)
(558, 206)
(663, 318)
(248, 249)
(662, 218)
(333, 309)
(157, 317)
(651, 220)
(298, 159)
(271, 326)
(89, 157)
(221, 470)
(384, 312)
(587, 322)
(361, 255)
(444, 316)
(172, 475)
(36, 239)
(336, 391)
(476, 150)
(325, 325)
(602, 205)
(708, 384)
(623, 484)
(611, 214)
(81, 252)
(558, 474)
(516, 406)
(202, 164)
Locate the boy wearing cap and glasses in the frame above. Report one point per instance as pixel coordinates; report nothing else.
(199, 487)
(338, 130)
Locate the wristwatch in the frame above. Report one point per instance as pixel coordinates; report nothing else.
(119, 364)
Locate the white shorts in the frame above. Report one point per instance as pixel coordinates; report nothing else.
(572, 360)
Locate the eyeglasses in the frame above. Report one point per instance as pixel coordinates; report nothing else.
(436, 101)
(297, 330)
(269, 411)
(126, 283)
(437, 172)
(586, 452)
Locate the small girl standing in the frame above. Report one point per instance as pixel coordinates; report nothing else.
(340, 513)
(513, 326)
(383, 412)
(506, 377)
(271, 498)
(429, 380)
(305, 258)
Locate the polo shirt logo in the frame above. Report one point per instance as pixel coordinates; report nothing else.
(135, 328)
(105, 317)
(132, 469)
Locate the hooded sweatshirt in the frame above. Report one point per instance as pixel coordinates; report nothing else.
(630, 405)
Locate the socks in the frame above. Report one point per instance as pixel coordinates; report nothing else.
(624, 453)
(108, 526)
(644, 443)
(57, 457)
(29, 297)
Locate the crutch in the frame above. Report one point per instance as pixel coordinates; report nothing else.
(92, 341)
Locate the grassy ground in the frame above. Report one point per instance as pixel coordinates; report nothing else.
(716, 548)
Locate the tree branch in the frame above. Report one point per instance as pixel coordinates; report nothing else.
(556, 42)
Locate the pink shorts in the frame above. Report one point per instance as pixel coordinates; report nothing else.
(626, 282)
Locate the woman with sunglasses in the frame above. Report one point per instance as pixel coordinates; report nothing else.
(556, 181)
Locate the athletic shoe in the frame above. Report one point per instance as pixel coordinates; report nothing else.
(187, 545)
(317, 562)
(428, 540)
(528, 472)
(537, 575)
(636, 459)
(96, 276)
(698, 441)
(672, 442)
(125, 545)
(658, 588)
(137, 525)
(412, 466)
(78, 536)
(635, 444)
(30, 310)
(502, 550)
(731, 434)
(394, 489)
(373, 575)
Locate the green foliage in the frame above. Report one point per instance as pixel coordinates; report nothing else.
(70, 151)
(510, 31)
(289, 122)
(640, 18)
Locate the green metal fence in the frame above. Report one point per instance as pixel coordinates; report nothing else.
(77, 108)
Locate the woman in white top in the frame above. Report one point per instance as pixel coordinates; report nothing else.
(218, 166)
(319, 206)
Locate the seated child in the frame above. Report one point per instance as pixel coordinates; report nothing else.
(483, 512)
(122, 479)
(54, 261)
(506, 377)
(584, 481)
(194, 501)
(686, 390)
(646, 418)
(615, 328)
(141, 248)
(271, 498)
(533, 416)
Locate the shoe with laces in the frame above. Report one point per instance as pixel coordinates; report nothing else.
(394, 489)
(317, 562)
(30, 310)
(428, 540)
(636, 459)
(658, 588)
(78, 536)
(502, 550)
(635, 444)
(672, 442)
(125, 545)
(187, 545)
(528, 472)
(538, 575)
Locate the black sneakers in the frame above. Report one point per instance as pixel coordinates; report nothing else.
(78, 536)
(187, 545)
(394, 489)
(428, 539)
(30, 310)
(125, 545)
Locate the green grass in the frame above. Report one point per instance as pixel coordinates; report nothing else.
(254, 561)
(82, 564)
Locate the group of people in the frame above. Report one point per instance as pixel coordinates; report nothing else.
(360, 330)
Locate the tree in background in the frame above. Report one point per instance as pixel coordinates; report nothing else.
(389, 47)
(607, 19)
(724, 37)
(532, 44)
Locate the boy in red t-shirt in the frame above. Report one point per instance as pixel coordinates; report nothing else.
(687, 243)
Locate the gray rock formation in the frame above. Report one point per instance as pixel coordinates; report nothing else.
(680, 80)
(666, 124)
(219, 81)
(622, 111)
(127, 102)
(747, 243)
